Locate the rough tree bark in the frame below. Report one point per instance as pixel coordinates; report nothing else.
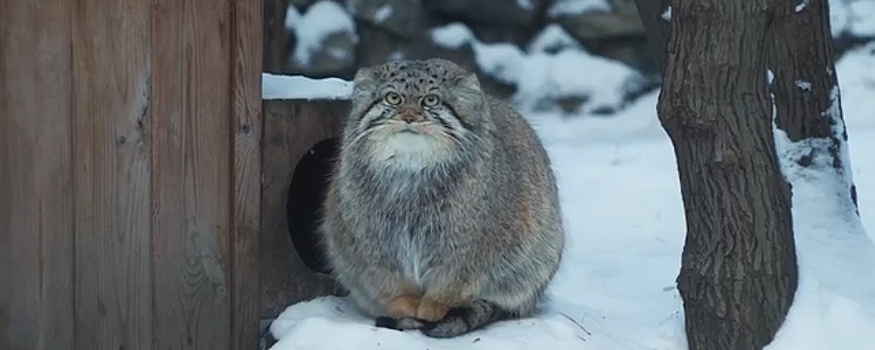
(805, 86)
(739, 273)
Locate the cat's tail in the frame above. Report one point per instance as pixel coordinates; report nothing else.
(458, 321)
(464, 319)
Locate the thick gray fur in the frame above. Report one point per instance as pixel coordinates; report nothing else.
(463, 210)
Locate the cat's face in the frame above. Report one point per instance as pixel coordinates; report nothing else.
(415, 113)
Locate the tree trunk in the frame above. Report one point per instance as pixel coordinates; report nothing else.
(651, 13)
(805, 87)
(739, 274)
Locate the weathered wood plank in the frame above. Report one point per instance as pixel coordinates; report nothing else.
(112, 174)
(246, 123)
(191, 173)
(291, 128)
(36, 192)
(276, 37)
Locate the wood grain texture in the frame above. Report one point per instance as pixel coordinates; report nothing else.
(247, 125)
(276, 37)
(130, 173)
(191, 173)
(36, 186)
(291, 128)
(112, 172)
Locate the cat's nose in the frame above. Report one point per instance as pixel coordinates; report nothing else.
(411, 118)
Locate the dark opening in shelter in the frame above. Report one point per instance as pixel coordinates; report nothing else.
(306, 194)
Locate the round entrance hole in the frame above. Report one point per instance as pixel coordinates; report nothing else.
(306, 194)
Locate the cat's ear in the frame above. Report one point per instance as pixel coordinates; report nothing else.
(364, 83)
(364, 75)
(363, 89)
(469, 80)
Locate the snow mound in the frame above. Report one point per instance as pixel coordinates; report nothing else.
(383, 13)
(322, 20)
(636, 123)
(501, 61)
(852, 17)
(862, 18)
(570, 73)
(542, 78)
(288, 87)
(575, 7)
(303, 326)
(452, 35)
(856, 75)
(834, 306)
(553, 39)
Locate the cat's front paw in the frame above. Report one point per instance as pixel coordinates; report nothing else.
(405, 306)
(430, 310)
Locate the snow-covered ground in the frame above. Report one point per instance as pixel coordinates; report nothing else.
(624, 218)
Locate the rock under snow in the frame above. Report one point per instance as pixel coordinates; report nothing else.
(562, 8)
(571, 79)
(552, 39)
(378, 46)
(502, 13)
(301, 3)
(598, 23)
(452, 35)
(401, 17)
(612, 31)
(325, 39)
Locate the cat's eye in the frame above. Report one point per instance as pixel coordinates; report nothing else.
(393, 98)
(430, 100)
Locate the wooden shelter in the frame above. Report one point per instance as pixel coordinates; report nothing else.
(143, 193)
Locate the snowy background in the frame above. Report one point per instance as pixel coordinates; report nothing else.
(622, 206)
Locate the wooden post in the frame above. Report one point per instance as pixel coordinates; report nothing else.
(111, 173)
(276, 37)
(36, 186)
(246, 124)
(130, 174)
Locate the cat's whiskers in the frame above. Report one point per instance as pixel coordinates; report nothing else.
(364, 133)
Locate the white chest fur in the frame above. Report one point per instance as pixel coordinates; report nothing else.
(410, 150)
